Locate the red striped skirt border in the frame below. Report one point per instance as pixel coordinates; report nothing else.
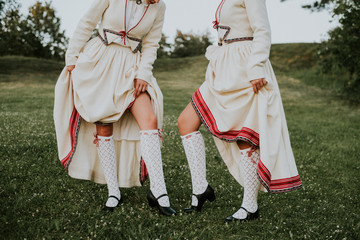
(245, 134)
(277, 185)
(207, 118)
(74, 125)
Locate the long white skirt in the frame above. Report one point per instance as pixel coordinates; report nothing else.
(231, 111)
(101, 88)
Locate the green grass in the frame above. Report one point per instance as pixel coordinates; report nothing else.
(40, 201)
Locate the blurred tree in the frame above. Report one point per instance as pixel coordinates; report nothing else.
(164, 47)
(37, 34)
(45, 25)
(10, 19)
(190, 45)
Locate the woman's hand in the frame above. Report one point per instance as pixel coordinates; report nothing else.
(70, 68)
(151, 1)
(140, 87)
(257, 84)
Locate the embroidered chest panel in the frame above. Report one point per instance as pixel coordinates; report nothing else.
(114, 18)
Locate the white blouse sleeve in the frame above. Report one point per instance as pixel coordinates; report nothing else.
(150, 45)
(259, 22)
(84, 30)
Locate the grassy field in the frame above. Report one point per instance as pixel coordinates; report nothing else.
(40, 201)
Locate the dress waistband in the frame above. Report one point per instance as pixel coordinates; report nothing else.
(236, 40)
(121, 35)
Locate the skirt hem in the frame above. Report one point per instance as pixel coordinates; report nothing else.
(206, 117)
(248, 135)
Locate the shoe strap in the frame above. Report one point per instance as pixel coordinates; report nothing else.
(197, 195)
(248, 211)
(112, 196)
(164, 195)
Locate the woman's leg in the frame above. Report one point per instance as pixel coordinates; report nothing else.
(189, 123)
(107, 156)
(248, 162)
(150, 146)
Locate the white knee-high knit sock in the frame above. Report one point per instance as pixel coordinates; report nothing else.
(249, 162)
(195, 153)
(106, 151)
(151, 153)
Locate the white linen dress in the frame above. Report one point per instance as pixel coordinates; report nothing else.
(101, 87)
(228, 106)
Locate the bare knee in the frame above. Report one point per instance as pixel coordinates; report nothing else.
(148, 122)
(152, 121)
(104, 130)
(187, 125)
(182, 121)
(243, 145)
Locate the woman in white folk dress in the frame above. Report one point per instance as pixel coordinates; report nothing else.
(108, 88)
(240, 104)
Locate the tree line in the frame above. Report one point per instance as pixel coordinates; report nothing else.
(38, 33)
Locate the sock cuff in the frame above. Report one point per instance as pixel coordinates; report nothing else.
(243, 151)
(187, 136)
(149, 131)
(104, 138)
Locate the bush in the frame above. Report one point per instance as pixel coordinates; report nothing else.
(341, 52)
(187, 45)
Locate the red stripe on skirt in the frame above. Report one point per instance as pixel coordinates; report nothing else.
(73, 124)
(278, 185)
(209, 120)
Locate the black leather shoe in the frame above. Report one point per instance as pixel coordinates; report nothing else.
(111, 209)
(153, 202)
(209, 194)
(250, 216)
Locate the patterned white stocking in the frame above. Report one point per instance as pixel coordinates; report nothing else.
(151, 153)
(195, 153)
(106, 151)
(249, 162)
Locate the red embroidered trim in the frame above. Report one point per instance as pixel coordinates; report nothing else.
(130, 105)
(143, 172)
(245, 134)
(140, 20)
(277, 185)
(96, 140)
(125, 19)
(122, 34)
(160, 133)
(218, 10)
(74, 125)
